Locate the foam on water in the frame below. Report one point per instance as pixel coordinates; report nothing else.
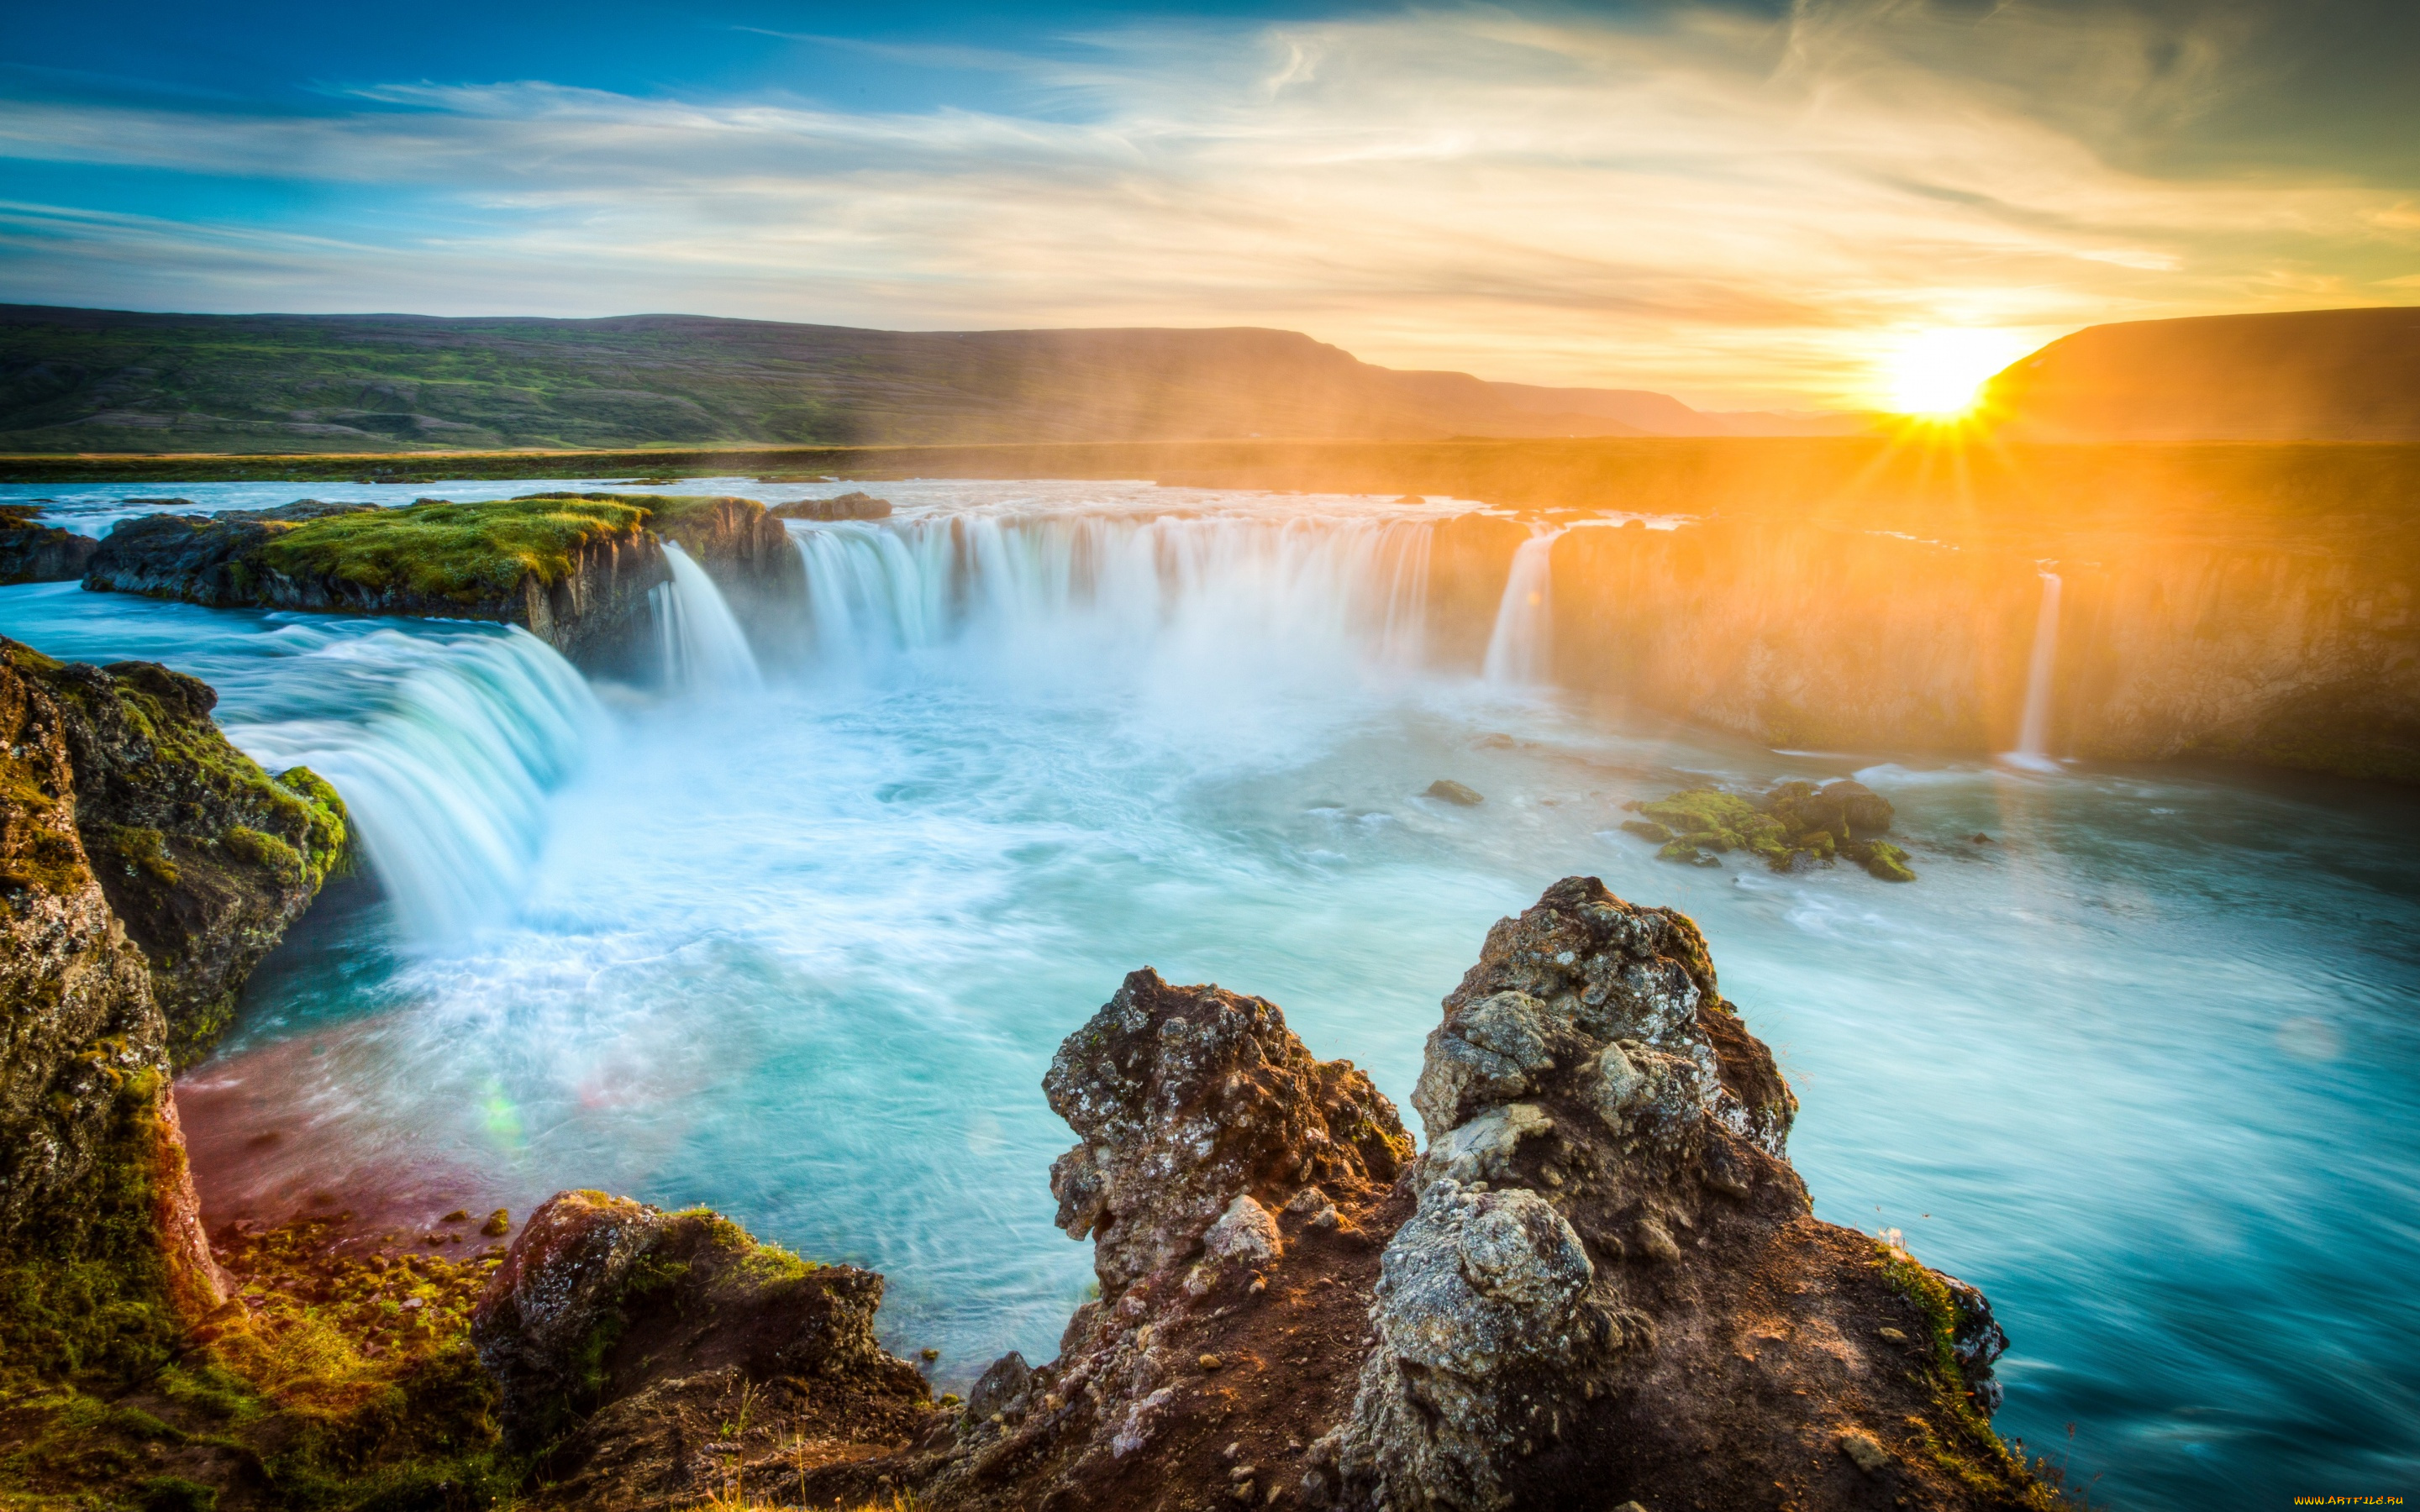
(2141, 1066)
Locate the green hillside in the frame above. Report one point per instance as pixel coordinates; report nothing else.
(95, 381)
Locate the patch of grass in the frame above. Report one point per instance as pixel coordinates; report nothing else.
(463, 553)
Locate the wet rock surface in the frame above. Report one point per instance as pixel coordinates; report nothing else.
(1795, 825)
(33, 552)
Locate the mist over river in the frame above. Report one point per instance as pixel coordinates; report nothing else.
(796, 936)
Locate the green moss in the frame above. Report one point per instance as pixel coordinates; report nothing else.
(1882, 858)
(460, 553)
(264, 850)
(1960, 1438)
(138, 849)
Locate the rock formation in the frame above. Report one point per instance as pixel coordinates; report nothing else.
(580, 587)
(204, 859)
(31, 552)
(853, 506)
(648, 1353)
(145, 867)
(1601, 1283)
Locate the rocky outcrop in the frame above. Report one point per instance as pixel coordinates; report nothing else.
(582, 590)
(649, 1354)
(1795, 825)
(1601, 1283)
(31, 552)
(204, 858)
(145, 866)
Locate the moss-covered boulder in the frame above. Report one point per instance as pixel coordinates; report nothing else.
(204, 857)
(1796, 825)
(611, 1324)
(573, 571)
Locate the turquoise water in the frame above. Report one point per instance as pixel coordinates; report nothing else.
(2141, 1067)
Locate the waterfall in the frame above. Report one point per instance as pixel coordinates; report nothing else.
(445, 779)
(1520, 651)
(2033, 732)
(1106, 595)
(705, 651)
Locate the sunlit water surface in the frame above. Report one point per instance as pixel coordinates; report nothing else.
(2142, 1066)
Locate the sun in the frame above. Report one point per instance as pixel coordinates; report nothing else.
(1938, 374)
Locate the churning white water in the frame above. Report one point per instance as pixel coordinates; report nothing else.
(2143, 1066)
(703, 649)
(2041, 669)
(1520, 649)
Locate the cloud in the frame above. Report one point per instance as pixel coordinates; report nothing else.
(1750, 212)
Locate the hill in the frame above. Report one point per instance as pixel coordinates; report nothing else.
(118, 381)
(2315, 374)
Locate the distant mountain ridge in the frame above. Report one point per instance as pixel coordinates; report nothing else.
(2312, 375)
(121, 381)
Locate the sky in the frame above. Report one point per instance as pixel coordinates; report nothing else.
(1751, 205)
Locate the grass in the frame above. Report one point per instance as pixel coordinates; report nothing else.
(464, 554)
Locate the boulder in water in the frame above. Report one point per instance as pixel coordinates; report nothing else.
(32, 552)
(1447, 789)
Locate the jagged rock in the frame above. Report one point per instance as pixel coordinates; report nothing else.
(1612, 1286)
(601, 1298)
(32, 552)
(1188, 1098)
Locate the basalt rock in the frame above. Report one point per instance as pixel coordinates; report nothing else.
(1612, 1286)
(583, 592)
(648, 1353)
(31, 552)
(205, 859)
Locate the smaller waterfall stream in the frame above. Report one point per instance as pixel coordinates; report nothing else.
(704, 650)
(2033, 731)
(1520, 651)
(446, 779)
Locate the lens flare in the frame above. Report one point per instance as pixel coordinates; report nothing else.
(1940, 372)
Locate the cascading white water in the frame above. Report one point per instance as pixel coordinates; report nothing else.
(2033, 731)
(705, 651)
(1520, 650)
(1105, 594)
(445, 782)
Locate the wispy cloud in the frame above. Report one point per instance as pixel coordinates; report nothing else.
(1744, 211)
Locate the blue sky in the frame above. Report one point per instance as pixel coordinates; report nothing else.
(1745, 204)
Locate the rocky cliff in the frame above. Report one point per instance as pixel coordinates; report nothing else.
(573, 573)
(1600, 1286)
(145, 867)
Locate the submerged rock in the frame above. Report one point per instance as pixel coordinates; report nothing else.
(1451, 791)
(1795, 825)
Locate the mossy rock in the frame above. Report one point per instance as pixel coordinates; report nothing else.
(437, 549)
(1795, 825)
